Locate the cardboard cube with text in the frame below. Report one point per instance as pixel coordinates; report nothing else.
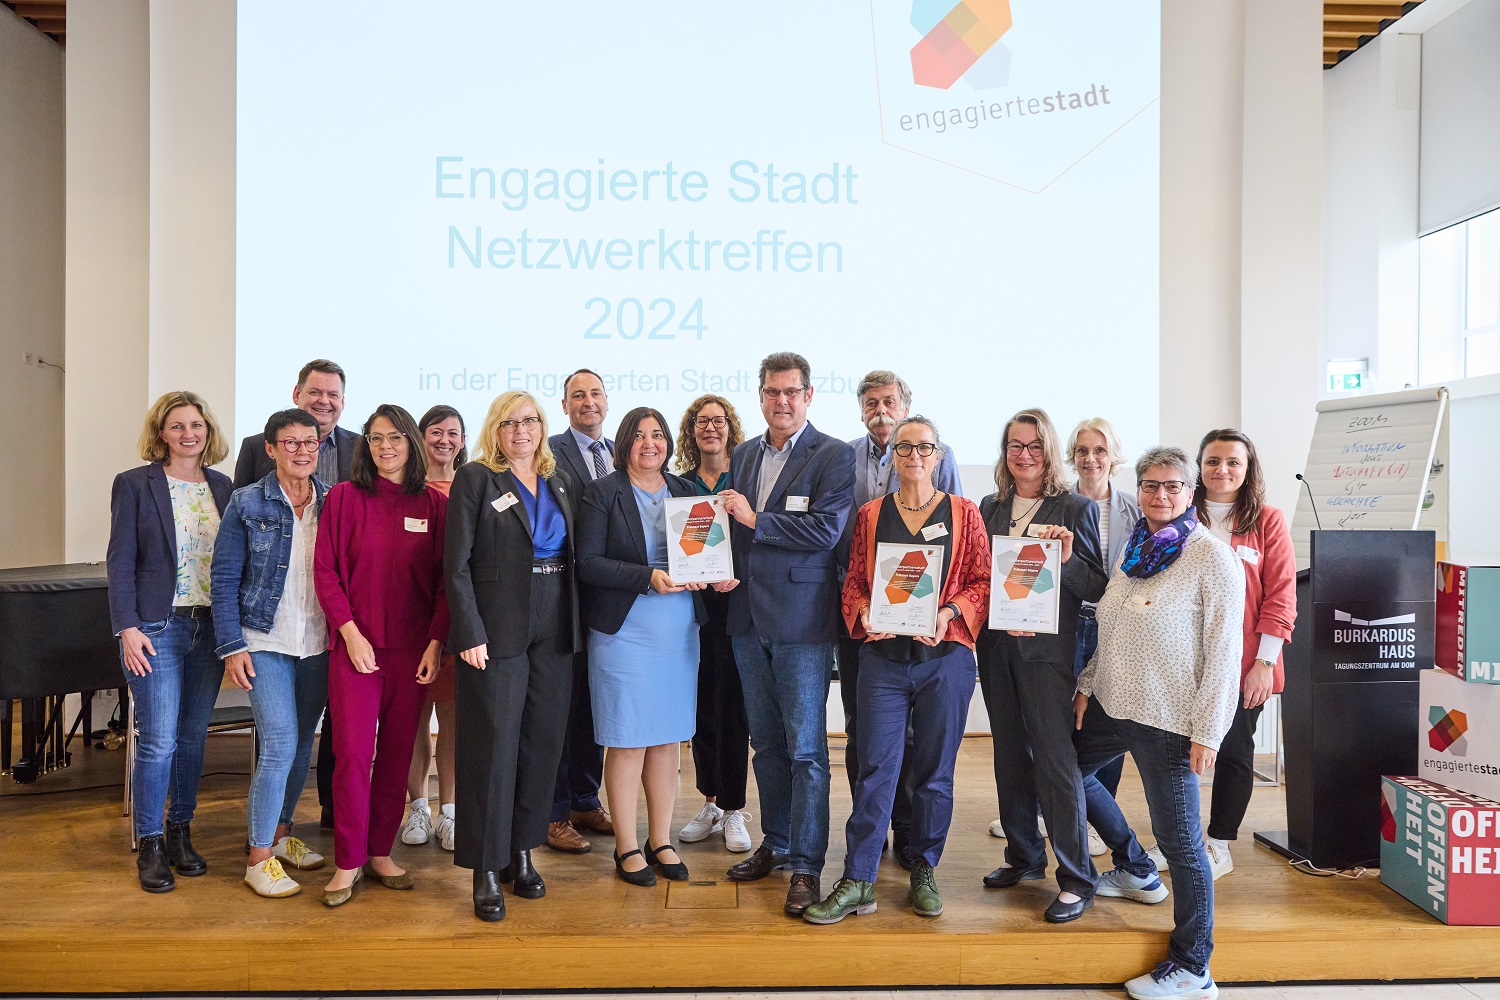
(1440, 848)
(1460, 727)
(1468, 621)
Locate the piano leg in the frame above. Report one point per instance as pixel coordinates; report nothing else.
(7, 723)
(27, 766)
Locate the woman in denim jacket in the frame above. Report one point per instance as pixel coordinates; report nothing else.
(273, 638)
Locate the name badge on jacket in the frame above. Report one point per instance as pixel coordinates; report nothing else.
(1247, 554)
(416, 524)
(934, 531)
(796, 505)
(504, 503)
(1034, 530)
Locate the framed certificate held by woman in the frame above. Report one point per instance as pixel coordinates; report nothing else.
(904, 592)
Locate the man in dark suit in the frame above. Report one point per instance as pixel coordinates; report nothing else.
(584, 451)
(319, 391)
(790, 496)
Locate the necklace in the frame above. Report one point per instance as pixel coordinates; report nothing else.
(1031, 510)
(924, 506)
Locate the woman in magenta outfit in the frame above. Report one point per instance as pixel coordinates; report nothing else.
(379, 577)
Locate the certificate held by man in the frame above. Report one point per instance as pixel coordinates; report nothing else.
(698, 540)
(904, 593)
(1025, 582)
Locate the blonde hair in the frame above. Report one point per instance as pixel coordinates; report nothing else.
(1104, 429)
(487, 449)
(154, 449)
(1052, 461)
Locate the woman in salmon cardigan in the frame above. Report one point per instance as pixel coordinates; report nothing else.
(931, 678)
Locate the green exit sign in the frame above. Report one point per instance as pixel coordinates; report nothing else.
(1346, 382)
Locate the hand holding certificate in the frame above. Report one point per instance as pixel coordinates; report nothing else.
(904, 593)
(698, 540)
(1025, 577)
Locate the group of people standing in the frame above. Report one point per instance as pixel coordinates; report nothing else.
(524, 595)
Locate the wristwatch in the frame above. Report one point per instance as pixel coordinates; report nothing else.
(1269, 663)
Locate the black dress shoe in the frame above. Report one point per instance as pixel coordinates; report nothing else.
(644, 878)
(325, 820)
(758, 865)
(804, 891)
(151, 865)
(1062, 913)
(489, 900)
(529, 884)
(1004, 878)
(671, 872)
(180, 853)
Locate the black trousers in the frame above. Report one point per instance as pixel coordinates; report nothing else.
(325, 763)
(721, 745)
(1234, 774)
(510, 722)
(848, 660)
(1030, 705)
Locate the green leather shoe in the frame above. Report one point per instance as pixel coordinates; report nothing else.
(849, 895)
(925, 901)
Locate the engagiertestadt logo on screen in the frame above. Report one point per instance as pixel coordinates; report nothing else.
(1019, 91)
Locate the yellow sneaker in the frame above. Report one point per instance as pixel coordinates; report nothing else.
(269, 880)
(293, 853)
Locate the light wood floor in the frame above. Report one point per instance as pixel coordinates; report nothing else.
(72, 918)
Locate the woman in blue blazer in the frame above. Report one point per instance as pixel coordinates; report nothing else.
(643, 641)
(164, 518)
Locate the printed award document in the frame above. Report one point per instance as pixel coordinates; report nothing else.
(698, 540)
(904, 593)
(1025, 574)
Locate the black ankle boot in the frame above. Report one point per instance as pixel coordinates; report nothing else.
(151, 865)
(529, 884)
(489, 901)
(180, 853)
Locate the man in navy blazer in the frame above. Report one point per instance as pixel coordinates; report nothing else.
(586, 454)
(790, 494)
(319, 391)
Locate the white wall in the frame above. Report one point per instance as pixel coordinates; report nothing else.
(32, 156)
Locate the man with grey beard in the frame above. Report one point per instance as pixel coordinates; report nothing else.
(884, 401)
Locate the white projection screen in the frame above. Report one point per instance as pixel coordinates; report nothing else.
(470, 197)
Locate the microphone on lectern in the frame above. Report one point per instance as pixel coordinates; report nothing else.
(1311, 502)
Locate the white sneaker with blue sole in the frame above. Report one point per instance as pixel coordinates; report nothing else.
(1170, 981)
(1121, 883)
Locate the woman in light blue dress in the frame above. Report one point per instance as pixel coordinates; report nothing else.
(643, 641)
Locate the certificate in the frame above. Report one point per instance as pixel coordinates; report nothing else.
(904, 593)
(1025, 574)
(698, 540)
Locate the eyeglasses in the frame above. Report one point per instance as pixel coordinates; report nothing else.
(923, 448)
(1170, 487)
(771, 395)
(394, 438)
(525, 422)
(719, 423)
(1099, 453)
(1036, 448)
(297, 444)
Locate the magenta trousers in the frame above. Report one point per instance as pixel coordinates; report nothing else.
(374, 728)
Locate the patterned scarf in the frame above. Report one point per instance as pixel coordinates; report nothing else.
(1147, 554)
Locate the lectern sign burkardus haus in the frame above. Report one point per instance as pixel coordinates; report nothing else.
(1373, 641)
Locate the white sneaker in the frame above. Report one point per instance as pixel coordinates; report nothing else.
(1170, 981)
(418, 827)
(996, 830)
(1096, 844)
(736, 837)
(293, 853)
(1154, 853)
(444, 829)
(1219, 861)
(1119, 882)
(710, 819)
(268, 879)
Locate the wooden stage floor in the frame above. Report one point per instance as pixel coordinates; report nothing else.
(74, 920)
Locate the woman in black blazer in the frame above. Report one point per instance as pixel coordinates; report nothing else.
(1027, 678)
(514, 605)
(643, 641)
(164, 517)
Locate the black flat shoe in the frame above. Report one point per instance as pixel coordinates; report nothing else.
(671, 872)
(151, 865)
(645, 877)
(489, 900)
(180, 853)
(529, 884)
(1062, 913)
(1004, 878)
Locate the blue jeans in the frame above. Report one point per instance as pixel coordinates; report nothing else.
(1109, 774)
(786, 703)
(172, 708)
(934, 696)
(288, 696)
(1172, 797)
